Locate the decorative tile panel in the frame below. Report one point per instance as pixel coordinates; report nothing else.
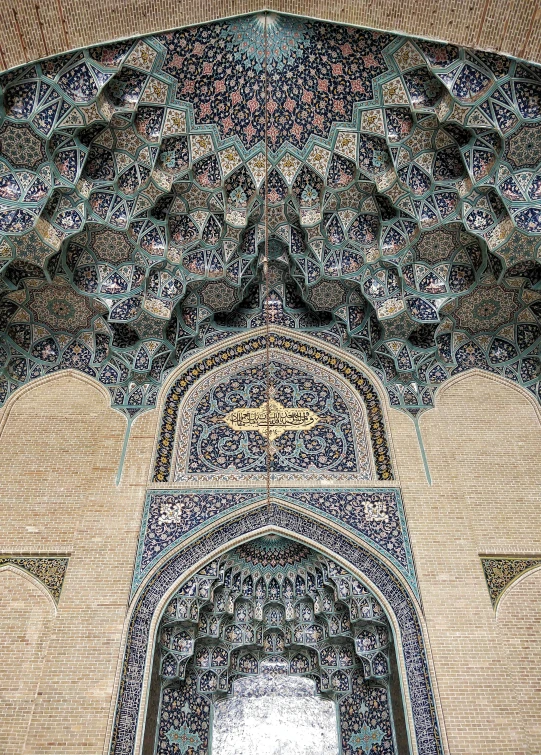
(212, 444)
(365, 723)
(501, 571)
(49, 570)
(374, 514)
(352, 377)
(185, 721)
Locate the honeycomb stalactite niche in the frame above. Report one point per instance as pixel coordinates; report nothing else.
(249, 627)
(397, 181)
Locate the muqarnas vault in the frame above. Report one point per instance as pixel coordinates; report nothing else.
(401, 178)
(274, 608)
(272, 215)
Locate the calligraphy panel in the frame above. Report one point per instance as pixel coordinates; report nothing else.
(313, 424)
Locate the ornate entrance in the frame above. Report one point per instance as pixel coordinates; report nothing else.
(248, 624)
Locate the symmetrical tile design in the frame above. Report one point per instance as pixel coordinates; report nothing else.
(425, 724)
(227, 53)
(398, 180)
(365, 723)
(185, 720)
(49, 570)
(376, 515)
(501, 571)
(352, 377)
(268, 609)
(217, 444)
(211, 444)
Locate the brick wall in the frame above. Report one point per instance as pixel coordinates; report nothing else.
(482, 446)
(519, 639)
(26, 614)
(59, 453)
(39, 29)
(59, 450)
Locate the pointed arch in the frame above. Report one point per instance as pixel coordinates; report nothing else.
(507, 383)
(20, 571)
(396, 597)
(358, 376)
(55, 376)
(27, 613)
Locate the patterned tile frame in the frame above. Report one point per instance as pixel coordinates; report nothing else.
(374, 515)
(50, 571)
(426, 729)
(355, 411)
(358, 380)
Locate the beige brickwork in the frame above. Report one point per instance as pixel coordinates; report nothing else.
(29, 31)
(59, 451)
(519, 619)
(26, 614)
(482, 445)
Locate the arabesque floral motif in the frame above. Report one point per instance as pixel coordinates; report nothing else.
(399, 179)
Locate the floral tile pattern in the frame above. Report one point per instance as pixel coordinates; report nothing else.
(296, 350)
(376, 515)
(210, 445)
(398, 183)
(275, 582)
(268, 611)
(49, 570)
(501, 571)
(215, 446)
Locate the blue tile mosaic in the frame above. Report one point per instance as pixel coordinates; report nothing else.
(253, 622)
(351, 376)
(355, 152)
(426, 729)
(374, 514)
(216, 447)
(212, 445)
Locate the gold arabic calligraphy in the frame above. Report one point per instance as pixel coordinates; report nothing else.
(272, 419)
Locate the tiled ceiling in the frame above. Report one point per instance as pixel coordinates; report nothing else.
(401, 181)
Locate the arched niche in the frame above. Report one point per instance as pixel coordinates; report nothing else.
(26, 613)
(253, 647)
(175, 570)
(324, 431)
(518, 617)
(355, 381)
(68, 411)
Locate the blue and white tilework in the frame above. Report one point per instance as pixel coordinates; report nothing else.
(336, 447)
(266, 616)
(294, 524)
(297, 351)
(374, 514)
(398, 182)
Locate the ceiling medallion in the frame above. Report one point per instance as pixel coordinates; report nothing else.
(161, 194)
